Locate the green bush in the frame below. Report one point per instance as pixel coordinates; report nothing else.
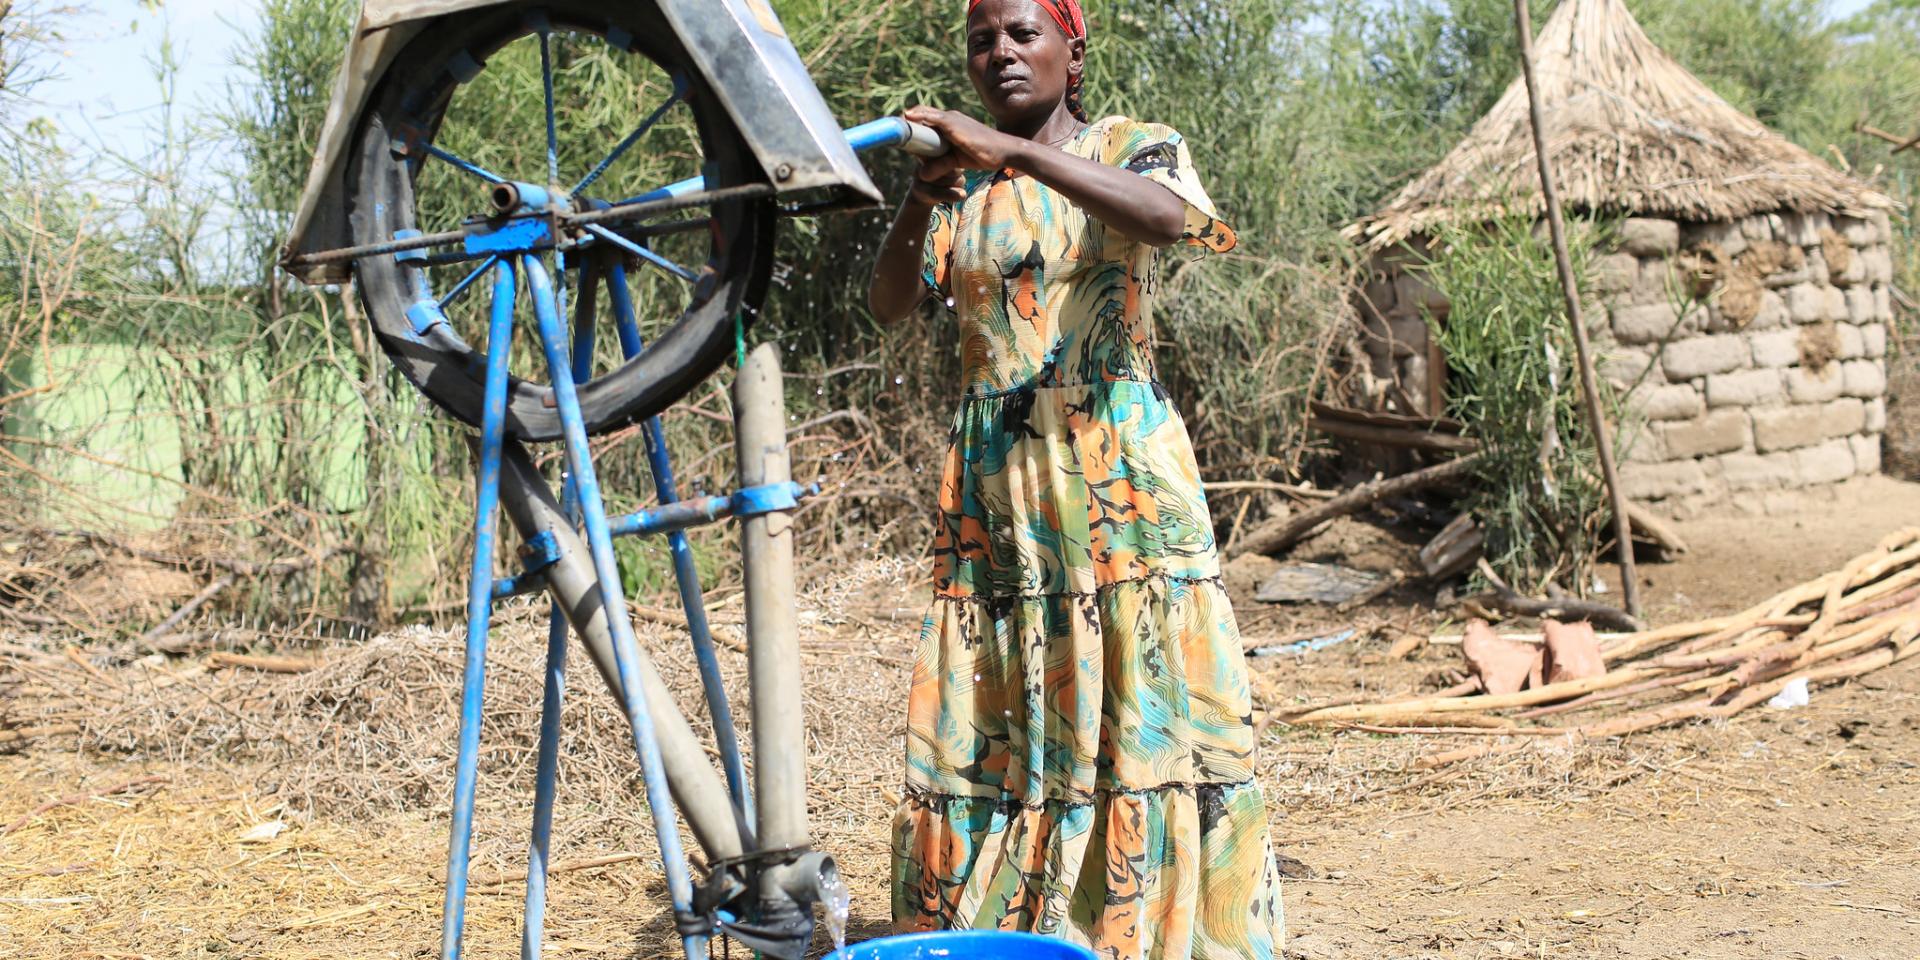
(1513, 382)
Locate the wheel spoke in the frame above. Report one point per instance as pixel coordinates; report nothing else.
(464, 164)
(546, 82)
(467, 281)
(679, 91)
(642, 252)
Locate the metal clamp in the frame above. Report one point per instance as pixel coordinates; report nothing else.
(540, 551)
(771, 498)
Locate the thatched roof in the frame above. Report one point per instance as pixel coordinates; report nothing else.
(1629, 131)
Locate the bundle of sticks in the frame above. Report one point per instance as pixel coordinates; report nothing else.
(1860, 618)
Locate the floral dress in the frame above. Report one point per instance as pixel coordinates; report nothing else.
(1079, 739)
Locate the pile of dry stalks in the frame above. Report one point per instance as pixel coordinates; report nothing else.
(1843, 624)
(361, 729)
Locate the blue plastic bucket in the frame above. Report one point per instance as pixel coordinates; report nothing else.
(963, 945)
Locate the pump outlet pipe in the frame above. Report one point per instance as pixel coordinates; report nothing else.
(773, 643)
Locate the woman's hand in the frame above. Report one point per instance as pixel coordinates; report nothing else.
(936, 181)
(971, 145)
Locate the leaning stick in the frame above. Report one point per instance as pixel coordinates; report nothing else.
(1569, 287)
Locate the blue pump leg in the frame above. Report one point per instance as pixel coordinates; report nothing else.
(607, 571)
(684, 571)
(479, 609)
(546, 777)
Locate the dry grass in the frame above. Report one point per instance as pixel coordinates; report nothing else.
(366, 742)
(353, 760)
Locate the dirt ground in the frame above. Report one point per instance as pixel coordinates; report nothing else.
(1777, 834)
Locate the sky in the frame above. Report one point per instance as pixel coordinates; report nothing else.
(103, 89)
(104, 95)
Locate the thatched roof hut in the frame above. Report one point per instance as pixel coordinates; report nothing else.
(1628, 131)
(1777, 377)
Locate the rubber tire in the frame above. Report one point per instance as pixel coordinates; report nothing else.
(444, 367)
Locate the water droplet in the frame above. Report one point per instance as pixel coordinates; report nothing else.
(899, 380)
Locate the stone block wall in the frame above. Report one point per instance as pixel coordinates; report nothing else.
(1753, 352)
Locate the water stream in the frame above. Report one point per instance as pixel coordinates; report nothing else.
(837, 903)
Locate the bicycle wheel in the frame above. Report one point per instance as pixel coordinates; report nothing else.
(470, 96)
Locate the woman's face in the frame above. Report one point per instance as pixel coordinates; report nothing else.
(1019, 60)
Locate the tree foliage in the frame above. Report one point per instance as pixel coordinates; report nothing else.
(1303, 114)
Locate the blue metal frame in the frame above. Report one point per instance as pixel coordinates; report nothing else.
(479, 610)
(685, 574)
(501, 244)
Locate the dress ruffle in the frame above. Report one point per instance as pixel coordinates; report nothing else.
(1166, 873)
(1049, 698)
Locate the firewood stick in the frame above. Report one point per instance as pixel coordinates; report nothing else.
(1479, 720)
(1649, 639)
(1845, 669)
(1283, 532)
(1649, 719)
(1621, 726)
(268, 664)
(1567, 609)
(1723, 656)
(1739, 634)
(1618, 693)
(1804, 645)
(1897, 632)
(1776, 666)
(1830, 604)
(1506, 731)
(1872, 593)
(1525, 698)
(1699, 707)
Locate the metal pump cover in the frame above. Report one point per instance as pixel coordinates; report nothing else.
(739, 46)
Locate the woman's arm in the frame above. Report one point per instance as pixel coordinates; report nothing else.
(1138, 208)
(897, 286)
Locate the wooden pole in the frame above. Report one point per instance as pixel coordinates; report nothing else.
(1603, 439)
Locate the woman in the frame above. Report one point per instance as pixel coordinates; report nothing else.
(1080, 742)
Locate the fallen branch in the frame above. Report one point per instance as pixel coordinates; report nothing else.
(186, 610)
(1402, 437)
(1565, 609)
(1290, 489)
(1282, 533)
(1655, 529)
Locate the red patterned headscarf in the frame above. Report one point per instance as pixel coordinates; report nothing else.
(1073, 23)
